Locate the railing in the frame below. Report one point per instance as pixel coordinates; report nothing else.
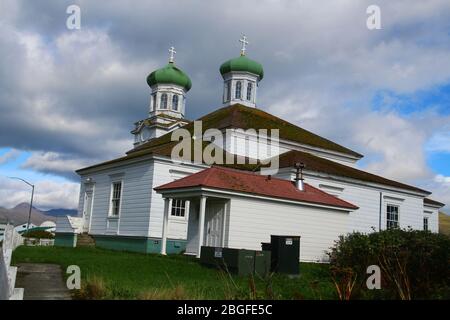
(11, 241)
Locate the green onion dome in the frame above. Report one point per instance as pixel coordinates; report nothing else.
(244, 64)
(169, 74)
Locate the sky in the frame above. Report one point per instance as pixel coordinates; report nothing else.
(69, 98)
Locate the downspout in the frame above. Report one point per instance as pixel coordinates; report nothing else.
(380, 213)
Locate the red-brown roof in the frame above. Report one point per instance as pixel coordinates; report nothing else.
(252, 183)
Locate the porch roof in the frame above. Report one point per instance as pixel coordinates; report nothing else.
(252, 183)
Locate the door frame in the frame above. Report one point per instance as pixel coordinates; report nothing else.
(88, 189)
(222, 204)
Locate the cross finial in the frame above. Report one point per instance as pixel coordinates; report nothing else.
(244, 42)
(172, 54)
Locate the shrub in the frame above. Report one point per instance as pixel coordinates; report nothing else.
(38, 234)
(414, 264)
(93, 288)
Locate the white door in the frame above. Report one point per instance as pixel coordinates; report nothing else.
(214, 224)
(87, 211)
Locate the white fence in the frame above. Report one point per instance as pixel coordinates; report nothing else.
(39, 242)
(11, 241)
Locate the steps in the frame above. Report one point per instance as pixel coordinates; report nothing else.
(85, 240)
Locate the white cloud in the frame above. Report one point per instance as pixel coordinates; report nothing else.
(74, 95)
(9, 156)
(48, 194)
(439, 142)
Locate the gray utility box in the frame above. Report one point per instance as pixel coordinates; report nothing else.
(285, 254)
(240, 261)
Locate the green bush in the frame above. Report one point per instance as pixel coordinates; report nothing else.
(414, 264)
(38, 234)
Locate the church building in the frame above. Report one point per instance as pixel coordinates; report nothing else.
(149, 201)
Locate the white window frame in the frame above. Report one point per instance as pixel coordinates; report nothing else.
(183, 208)
(110, 213)
(238, 89)
(427, 219)
(164, 101)
(176, 99)
(249, 93)
(398, 215)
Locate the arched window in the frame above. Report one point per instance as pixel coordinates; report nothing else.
(238, 90)
(175, 102)
(228, 90)
(153, 102)
(249, 91)
(163, 101)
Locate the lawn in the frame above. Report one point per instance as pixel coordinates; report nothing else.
(124, 275)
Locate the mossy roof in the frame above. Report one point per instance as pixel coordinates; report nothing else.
(239, 116)
(318, 164)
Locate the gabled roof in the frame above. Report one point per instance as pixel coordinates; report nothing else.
(255, 184)
(241, 117)
(318, 164)
(433, 203)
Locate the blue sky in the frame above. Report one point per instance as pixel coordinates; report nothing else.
(69, 98)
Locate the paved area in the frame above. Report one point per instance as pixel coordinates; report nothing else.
(42, 282)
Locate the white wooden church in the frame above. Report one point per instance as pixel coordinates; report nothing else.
(149, 202)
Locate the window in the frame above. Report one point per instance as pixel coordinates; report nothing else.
(163, 101)
(249, 91)
(115, 198)
(425, 223)
(178, 208)
(175, 102)
(228, 88)
(153, 102)
(238, 90)
(392, 216)
(226, 91)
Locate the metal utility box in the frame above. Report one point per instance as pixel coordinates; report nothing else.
(262, 262)
(285, 252)
(240, 261)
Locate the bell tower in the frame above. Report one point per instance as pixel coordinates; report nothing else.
(241, 77)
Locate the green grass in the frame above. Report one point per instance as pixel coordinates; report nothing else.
(444, 224)
(130, 275)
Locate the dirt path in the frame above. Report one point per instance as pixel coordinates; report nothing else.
(42, 282)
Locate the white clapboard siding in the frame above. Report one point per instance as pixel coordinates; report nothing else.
(165, 172)
(135, 203)
(367, 217)
(433, 218)
(252, 221)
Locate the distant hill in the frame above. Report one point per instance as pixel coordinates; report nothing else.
(19, 214)
(61, 212)
(444, 223)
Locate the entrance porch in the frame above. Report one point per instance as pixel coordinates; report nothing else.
(207, 221)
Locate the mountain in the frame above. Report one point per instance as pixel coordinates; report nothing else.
(61, 212)
(19, 214)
